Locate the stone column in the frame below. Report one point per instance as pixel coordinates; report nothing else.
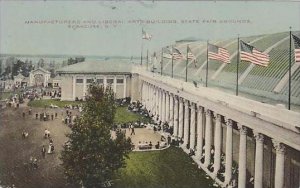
(84, 87)
(208, 131)
(186, 131)
(125, 88)
(228, 154)
(149, 97)
(180, 117)
(115, 85)
(259, 157)
(143, 93)
(199, 132)
(152, 100)
(171, 107)
(163, 115)
(105, 81)
(242, 156)
(279, 166)
(167, 115)
(176, 106)
(193, 127)
(217, 143)
(159, 103)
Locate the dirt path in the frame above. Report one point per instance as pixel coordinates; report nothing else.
(15, 151)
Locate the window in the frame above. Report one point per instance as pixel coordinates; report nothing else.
(79, 81)
(89, 81)
(120, 81)
(100, 81)
(110, 81)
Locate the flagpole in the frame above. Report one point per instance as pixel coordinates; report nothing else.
(142, 49)
(161, 63)
(206, 76)
(237, 68)
(290, 71)
(187, 61)
(147, 60)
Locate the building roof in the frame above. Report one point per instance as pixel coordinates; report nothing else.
(104, 67)
(25, 79)
(40, 69)
(20, 76)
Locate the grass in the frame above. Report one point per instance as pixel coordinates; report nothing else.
(170, 168)
(7, 94)
(47, 102)
(122, 114)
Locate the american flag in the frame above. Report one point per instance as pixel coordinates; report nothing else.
(177, 54)
(190, 55)
(218, 53)
(146, 35)
(297, 48)
(251, 54)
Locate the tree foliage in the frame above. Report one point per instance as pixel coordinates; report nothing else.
(93, 154)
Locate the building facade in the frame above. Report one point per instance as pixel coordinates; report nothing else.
(76, 78)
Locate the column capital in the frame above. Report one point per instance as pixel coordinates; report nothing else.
(176, 100)
(279, 147)
(258, 136)
(208, 112)
(186, 102)
(229, 122)
(218, 117)
(193, 106)
(243, 129)
(200, 109)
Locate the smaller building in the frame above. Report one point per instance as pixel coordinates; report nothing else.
(39, 77)
(76, 78)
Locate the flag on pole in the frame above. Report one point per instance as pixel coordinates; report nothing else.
(218, 53)
(167, 53)
(190, 54)
(297, 48)
(251, 54)
(146, 35)
(177, 54)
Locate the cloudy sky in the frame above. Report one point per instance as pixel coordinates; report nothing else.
(77, 28)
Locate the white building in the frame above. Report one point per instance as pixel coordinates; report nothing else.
(76, 78)
(39, 77)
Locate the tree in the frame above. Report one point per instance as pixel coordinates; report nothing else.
(92, 155)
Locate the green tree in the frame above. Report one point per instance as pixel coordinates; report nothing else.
(92, 154)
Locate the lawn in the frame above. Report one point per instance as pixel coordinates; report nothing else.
(169, 168)
(7, 94)
(124, 116)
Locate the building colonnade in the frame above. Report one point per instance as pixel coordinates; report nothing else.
(200, 129)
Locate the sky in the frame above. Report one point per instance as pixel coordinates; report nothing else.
(42, 27)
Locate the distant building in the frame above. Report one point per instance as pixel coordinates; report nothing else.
(76, 78)
(39, 77)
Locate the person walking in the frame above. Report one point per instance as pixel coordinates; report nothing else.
(132, 130)
(43, 152)
(23, 114)
(52, 116)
